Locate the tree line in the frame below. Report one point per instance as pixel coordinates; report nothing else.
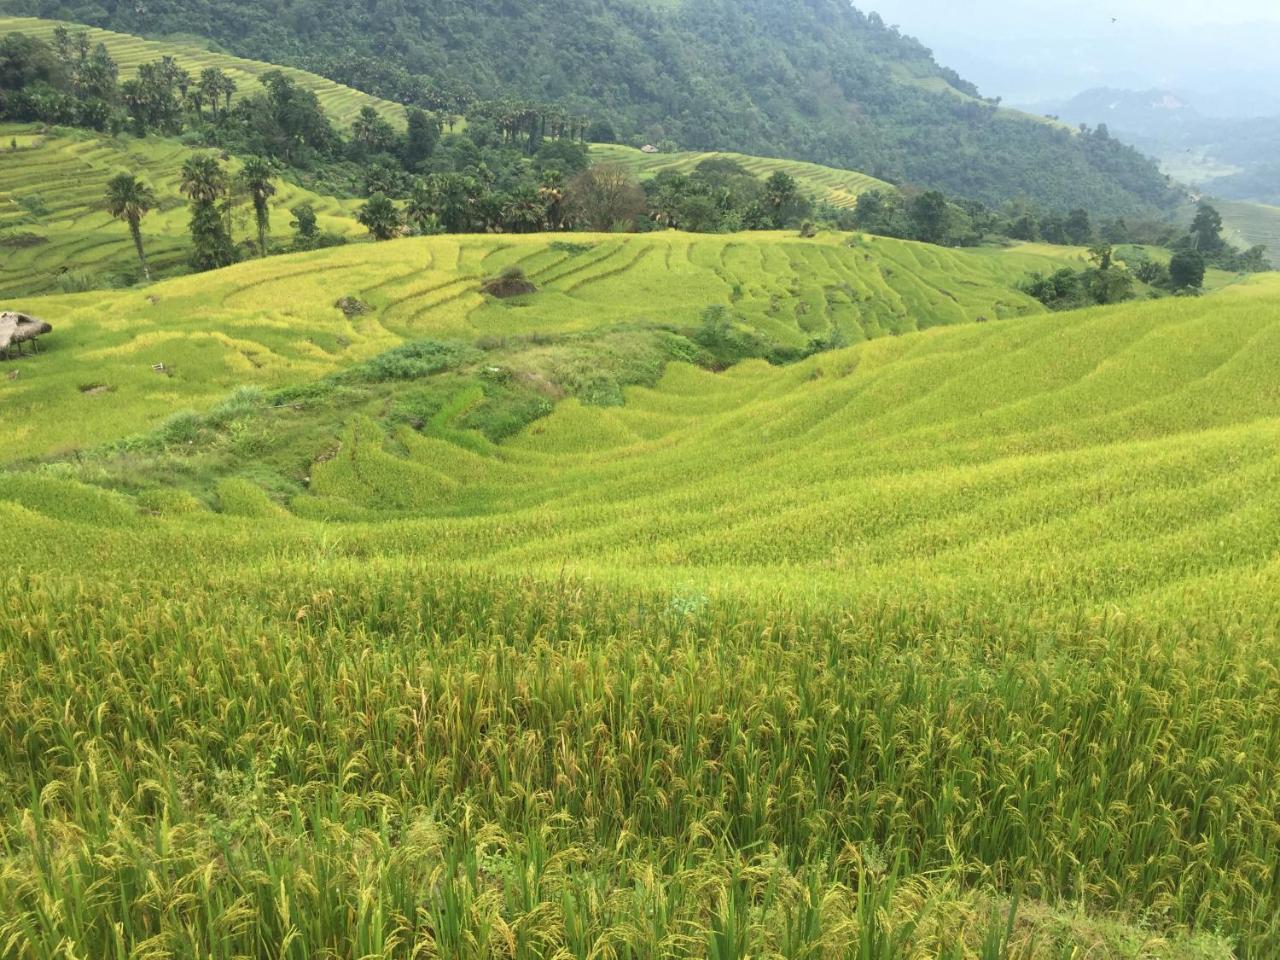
(811, 79)
(1114, 275)
(73, 82)
(513, 167)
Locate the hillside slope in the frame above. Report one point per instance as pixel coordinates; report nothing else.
(1249, 224)
(273, 323)
(1225, 157)
(870, 640)
(840, 188)
(807, 79)
(54, 229)
(341, 103)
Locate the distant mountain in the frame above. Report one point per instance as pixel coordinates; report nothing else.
(1052, 51)
(806, 79)
(1226, 156)
(1158, 114)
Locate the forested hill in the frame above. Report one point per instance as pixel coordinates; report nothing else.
(810, 79)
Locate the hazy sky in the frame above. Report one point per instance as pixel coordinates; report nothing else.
(1028, 50)
(1187, 12)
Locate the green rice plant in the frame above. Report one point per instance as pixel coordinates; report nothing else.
(960, 643)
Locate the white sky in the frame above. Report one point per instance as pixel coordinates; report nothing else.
(1028, 50)
(993, 12)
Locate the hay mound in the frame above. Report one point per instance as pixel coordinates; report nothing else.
(353, 307)
(511, 283)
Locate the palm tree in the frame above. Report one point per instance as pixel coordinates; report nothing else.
(203, 179)
(256, 176)
(209, 90)
(523, 210)
(204, 182)
(420, 210)
(129, 199)
(381, 217)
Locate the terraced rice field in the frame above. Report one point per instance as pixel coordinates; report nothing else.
(1249, 224)
(840, 188)
(275, 322)
(341, 103)
(52, 220)
(824, 660)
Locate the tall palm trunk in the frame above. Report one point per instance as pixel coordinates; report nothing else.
(260, 208)
(135, 228)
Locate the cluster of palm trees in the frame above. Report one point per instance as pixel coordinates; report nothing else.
(208, 189)
(457, 203)
(530, 123)
(163, 91)
(214, 88)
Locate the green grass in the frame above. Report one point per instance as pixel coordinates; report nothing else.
(52, 221)
(832, 659)
(341, 103)
(1249, 224)
(837, 187)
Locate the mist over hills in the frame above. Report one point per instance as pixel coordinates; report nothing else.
(1035, 53)
(1231, 157)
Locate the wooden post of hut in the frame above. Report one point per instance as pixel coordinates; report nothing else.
(19, 328)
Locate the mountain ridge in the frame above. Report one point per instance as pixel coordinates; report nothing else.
(813, 80)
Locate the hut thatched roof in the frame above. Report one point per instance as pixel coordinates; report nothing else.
(18, 328)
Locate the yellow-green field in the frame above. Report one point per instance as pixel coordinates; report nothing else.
(1249, 224)
(53, 221)
(272, 323)
(836, 659)
(341, 103)
(840, 188)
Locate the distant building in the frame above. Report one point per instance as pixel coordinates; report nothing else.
(649, 148)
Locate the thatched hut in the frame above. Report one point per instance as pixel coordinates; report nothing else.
(17, 329)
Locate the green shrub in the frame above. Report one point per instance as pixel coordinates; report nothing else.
(181, 428)
(411, 361)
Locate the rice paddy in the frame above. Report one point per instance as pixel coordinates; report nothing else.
(341, 103)
(1249, 224)
(960, 641)
(840, 188)
(56, 234)
(274, 323)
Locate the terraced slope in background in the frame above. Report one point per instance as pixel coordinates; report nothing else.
(1249, 224)
(275, 322)
(341, 103)
(840, 188)
(52, 220)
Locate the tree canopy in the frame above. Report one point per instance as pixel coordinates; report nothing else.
(810, 79)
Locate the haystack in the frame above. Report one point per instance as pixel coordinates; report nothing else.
(17, 329)
(511, 283)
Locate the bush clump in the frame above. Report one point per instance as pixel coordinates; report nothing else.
(411, 361)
